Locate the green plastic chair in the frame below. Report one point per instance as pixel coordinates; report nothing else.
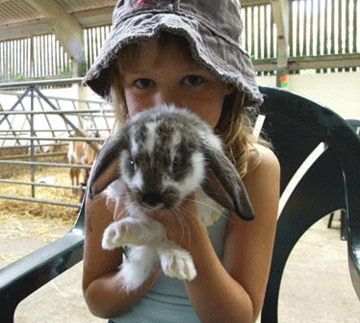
(354, 125)
(305, 133)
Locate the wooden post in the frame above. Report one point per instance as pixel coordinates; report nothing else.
(281, 17)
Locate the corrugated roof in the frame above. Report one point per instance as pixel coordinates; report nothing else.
(22, 18)
(83, 5)
(15, 11)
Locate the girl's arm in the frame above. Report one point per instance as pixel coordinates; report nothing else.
(103, 291)
(234, 291)
(249, 245)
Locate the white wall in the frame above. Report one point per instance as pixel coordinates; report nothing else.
(338, 91)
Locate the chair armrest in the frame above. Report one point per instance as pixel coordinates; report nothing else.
(21, 278)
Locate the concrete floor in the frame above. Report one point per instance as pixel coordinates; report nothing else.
(316, 286)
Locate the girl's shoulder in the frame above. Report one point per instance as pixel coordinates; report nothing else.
(266, 157)
(266, 169)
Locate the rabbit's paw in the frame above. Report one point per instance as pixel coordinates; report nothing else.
(118, 234)
(178, 264)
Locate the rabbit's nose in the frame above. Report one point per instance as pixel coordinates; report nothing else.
(152, 199)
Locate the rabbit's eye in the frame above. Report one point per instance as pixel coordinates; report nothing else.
(176, 165)
(132, 164)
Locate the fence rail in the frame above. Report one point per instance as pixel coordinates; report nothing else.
(8, 181)
(43, 164)
(36, 200)
(317, 28)
(31, 121)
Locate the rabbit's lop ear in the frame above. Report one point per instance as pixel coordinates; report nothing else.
(106, 167)
(224, 185)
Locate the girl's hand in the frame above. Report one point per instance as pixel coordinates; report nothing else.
(182, 225)
(117, 209)
(102, 284)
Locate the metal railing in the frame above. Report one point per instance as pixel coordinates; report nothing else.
(35, 123)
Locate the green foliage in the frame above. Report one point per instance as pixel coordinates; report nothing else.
(20, 77)
(65, 71)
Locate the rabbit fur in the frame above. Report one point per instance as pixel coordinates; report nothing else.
(153, 162)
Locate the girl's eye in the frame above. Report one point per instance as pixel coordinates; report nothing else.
(193, 80)
(144, 83)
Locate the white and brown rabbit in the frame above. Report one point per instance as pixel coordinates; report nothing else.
(158, 158)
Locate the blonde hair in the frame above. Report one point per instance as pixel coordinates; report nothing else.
(235, 125)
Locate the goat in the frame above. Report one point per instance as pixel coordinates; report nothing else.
(80, 153)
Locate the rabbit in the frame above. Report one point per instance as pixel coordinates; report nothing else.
(153, 162)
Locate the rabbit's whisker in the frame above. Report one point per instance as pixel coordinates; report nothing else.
(97, 199)
(187, 219)
(120, 212)
(181, 220)
(204, 204)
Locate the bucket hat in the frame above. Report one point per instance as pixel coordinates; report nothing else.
(212, 28)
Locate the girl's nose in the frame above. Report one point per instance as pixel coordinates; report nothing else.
(168, 96)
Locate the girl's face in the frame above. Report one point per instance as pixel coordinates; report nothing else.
(170, 76)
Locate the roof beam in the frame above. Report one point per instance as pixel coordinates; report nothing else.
(66, 28)
(325, 61)
(95, 17)
(311, 62)
(245, 3)
(24, 29)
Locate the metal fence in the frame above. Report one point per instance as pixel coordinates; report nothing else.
(32, 124)
(318, 28)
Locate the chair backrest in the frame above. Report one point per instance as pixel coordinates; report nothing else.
(354, 125)
(320, 164)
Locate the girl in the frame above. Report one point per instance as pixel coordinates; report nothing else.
(186, 52)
